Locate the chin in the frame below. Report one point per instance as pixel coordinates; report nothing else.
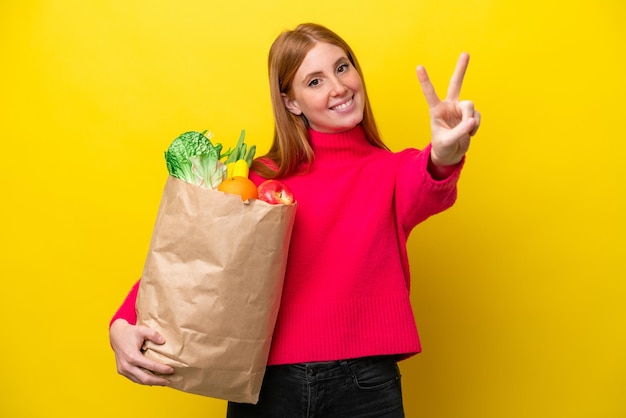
(339, 127)
(350, 126)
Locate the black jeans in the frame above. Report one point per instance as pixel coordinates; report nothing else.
(361, 388)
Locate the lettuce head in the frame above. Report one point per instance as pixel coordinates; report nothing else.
(192, 157)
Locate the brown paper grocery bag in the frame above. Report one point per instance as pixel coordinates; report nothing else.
(211, 285)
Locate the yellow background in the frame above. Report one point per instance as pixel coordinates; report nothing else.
(519, 289)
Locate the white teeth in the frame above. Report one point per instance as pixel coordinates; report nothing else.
(343, 105)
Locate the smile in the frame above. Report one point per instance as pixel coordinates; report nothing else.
(343, 105)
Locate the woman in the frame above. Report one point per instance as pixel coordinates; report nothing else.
(345, 317)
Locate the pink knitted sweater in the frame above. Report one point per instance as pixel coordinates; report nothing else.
(346, 291)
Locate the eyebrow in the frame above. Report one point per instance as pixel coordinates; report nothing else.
(317, 73)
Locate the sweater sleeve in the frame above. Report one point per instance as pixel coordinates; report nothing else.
(418, 195)
(127, 310)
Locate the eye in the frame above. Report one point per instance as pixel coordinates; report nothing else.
(314, 82)
(343, 68)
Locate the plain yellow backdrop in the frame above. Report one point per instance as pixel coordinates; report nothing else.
(518, 289)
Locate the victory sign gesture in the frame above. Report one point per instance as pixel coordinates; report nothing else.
(452, 122)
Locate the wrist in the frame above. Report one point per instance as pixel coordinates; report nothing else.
(118, 322)
(439, 170)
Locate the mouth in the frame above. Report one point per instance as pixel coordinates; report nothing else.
(343, 105)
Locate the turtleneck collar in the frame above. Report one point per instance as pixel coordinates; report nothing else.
(347, 144)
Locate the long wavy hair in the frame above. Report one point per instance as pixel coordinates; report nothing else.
(291, 147)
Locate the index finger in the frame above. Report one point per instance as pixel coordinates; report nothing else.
(454, 89)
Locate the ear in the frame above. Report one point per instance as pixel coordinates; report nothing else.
(291, 105)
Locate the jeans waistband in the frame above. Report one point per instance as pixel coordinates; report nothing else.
(331, 369)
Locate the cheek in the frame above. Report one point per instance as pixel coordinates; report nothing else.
(355, 82)
(307, 99)
(316, 103)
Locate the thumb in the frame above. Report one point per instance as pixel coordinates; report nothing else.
(461, 131)
(152, 335)
(470, 118)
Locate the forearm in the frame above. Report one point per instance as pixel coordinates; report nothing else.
(127, 310)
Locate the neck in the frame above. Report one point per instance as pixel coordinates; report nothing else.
(345, 144)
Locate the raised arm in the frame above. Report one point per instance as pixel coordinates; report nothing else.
(453, 122)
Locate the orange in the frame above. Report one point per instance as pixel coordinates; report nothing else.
(242, 186)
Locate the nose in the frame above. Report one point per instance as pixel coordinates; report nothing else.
(338, 88)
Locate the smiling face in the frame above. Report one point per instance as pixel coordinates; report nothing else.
(327, 90)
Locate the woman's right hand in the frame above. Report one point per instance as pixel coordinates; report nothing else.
(127, 340)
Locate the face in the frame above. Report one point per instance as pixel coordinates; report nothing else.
(327, 90)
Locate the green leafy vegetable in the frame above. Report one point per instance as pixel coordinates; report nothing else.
(209, 169)
(193, 158)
